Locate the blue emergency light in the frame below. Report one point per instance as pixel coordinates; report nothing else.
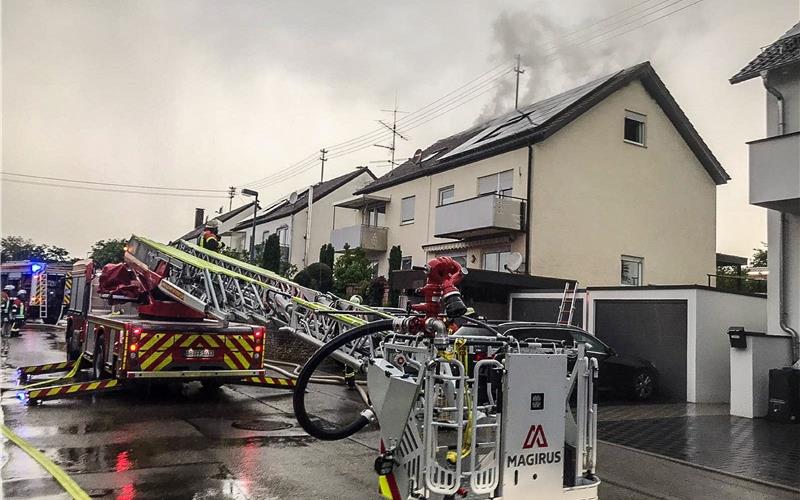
(36, 267)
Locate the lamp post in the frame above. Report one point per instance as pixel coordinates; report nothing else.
(250, 192)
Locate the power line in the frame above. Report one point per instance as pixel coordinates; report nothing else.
(97, 183)
(86, 188)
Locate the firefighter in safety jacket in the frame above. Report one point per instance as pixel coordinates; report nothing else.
(17, 313)
(209, 238)
(5, 305)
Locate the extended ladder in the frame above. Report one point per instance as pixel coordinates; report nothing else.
(567, 308)
(231, 290)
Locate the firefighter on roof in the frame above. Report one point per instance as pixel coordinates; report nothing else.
(209, 238)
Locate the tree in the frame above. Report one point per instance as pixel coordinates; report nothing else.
(317, 276)
(108, 251)
(271, 256)
(375, 291)
(19, 248)
(759, 258)
(326, 255)
(351, 268)
(395, 262)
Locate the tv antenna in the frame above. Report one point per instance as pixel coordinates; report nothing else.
(393, 129)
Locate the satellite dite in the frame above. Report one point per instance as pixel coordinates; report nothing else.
(468, 416)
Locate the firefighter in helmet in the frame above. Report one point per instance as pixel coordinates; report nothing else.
(19, 309)
(209, 238)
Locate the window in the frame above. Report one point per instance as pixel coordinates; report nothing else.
(446, 195)
(373, 267)
(461, 258)
(283, 235)
(495, 261)
(593, 343)
(264, 236)
(635, 128)
(500, 183)
(551, 334)
(631, 273)
(407, 210)
(405, 263)
(375, 216)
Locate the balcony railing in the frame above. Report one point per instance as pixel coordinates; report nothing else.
(368, 238)
(481, 216)
(775, 173)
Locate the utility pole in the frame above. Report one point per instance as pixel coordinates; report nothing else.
(393, 130)
(323, 159)
(518, 70)
(231, 194)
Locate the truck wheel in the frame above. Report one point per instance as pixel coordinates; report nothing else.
(97, 360)
(72, 347)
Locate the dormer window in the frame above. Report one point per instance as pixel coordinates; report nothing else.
(635, 124)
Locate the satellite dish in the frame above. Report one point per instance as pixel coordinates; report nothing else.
(514, 261)
(417, 159)
(293, 197)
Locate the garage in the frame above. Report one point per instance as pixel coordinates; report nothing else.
(651, 329)
(682, 330)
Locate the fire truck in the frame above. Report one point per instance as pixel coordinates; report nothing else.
(123, 327)
(46, 284)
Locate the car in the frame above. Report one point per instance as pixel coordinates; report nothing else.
(629, 376)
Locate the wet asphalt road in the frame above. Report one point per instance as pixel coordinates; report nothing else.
(183, 442)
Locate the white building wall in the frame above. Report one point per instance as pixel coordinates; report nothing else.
(716, 312)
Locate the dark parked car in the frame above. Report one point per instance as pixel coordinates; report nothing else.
(627, 375)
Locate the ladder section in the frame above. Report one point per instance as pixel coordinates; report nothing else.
(567, 308)
(228, 289)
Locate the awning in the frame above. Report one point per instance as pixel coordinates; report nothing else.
(464, 244)
(361, 201)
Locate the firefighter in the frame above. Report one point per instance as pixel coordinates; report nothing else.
(19, 309)
(209, 238)
(6, 297)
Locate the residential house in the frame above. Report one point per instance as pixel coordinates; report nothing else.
(290, 221)
(775, 181)
(226, 221)
(608, 183)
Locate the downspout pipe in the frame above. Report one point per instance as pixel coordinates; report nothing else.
(782, 286)
(779, 97)
(528, 208)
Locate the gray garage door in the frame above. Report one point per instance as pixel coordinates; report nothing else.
(651, 329)
(545, 310)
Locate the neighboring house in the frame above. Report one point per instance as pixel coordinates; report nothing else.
(291, 221)
(608, 183)
(226, 221)
(775, 177)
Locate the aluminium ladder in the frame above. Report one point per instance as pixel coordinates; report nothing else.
(567, 308)
(230, 290)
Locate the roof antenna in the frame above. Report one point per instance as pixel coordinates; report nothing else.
(393, 130)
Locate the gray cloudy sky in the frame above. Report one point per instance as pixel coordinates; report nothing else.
(207, 94)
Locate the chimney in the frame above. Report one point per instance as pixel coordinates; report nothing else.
(199, 213)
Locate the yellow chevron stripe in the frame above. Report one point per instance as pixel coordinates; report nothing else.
(211, 340)
(53, 391)
(242, 360)
(151, 341)
(34, 394)
(283, 381)
(242, 344)
(189, 341)
(230, 362)
(74, 388)
(149, 360)
(164, 363)
(93, 386)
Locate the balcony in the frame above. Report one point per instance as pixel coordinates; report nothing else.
(775, 173)
(368, 238)
(481, 216)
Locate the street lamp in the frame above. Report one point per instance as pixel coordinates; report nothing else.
(250, 192)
